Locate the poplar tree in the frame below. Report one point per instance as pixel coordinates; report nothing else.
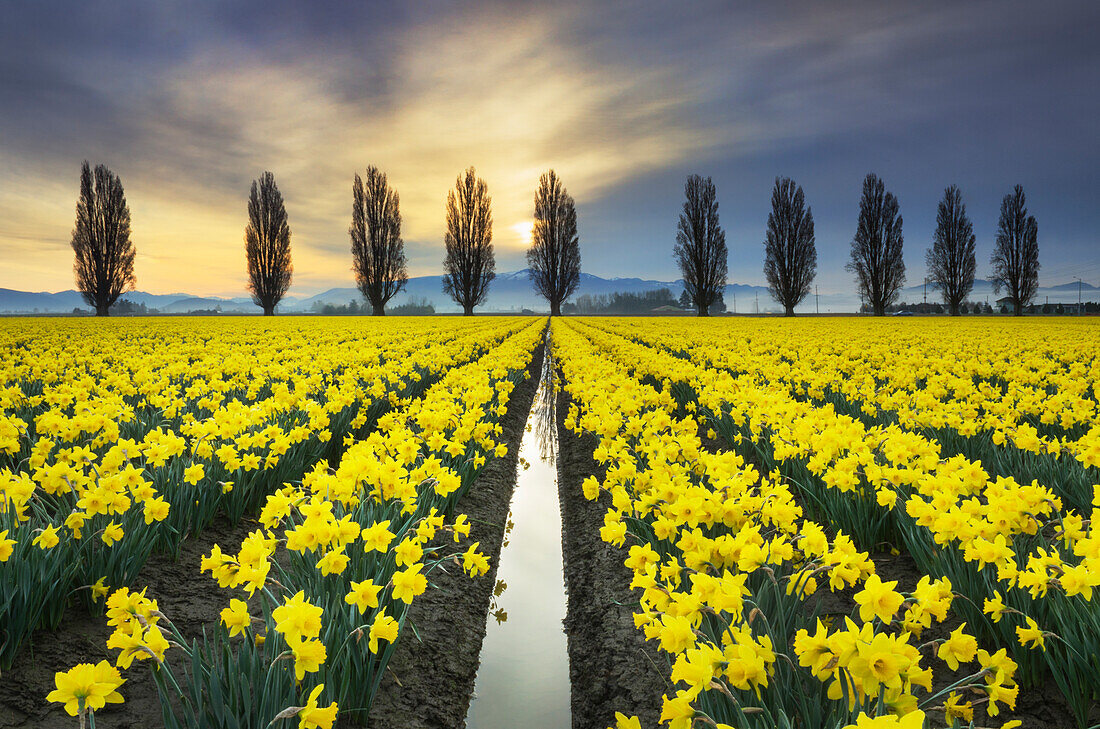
(790, 255)
(876, 248)
(377, 251)
(950, 260)
(267, 245)
(469, 263)
(700, 247)
(554, 258)
(104, 266)
(1016, 251)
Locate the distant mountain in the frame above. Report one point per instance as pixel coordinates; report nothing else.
(1072, 286)
(63, 302)
(979, 284)
(196, 303)
(26, 301)
(335, 297)
(155, 301)
(509, 292)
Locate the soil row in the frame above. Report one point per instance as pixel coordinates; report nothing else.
(430, 681)
(611, 667)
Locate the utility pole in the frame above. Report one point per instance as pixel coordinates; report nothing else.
(817, 301)
(925, 289)
(734, 302)
(757, 302)
(1078, 293)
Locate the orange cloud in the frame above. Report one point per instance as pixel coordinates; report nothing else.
(505, 96)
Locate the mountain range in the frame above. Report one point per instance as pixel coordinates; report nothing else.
(509, 292)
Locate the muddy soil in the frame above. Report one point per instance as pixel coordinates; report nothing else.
(429, 682)
(190, 599)
(611, 667)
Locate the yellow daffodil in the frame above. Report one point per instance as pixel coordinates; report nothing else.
(87, 687)
(363, 595)
(311, 716)
(384, 628)
(236, 617)
(878, 599)
(47, 539)
(409, 583)
(297, 618)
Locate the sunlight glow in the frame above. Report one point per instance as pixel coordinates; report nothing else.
(202, 145)
(524, 231)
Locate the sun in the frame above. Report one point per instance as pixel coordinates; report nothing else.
(524, 231)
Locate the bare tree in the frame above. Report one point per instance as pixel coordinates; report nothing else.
(701, 245)
(376, 246)
(554, 258)
(267, 245)
(469, 264)
(876, 247)
(104, 265)
(790, 256)
(950, 260)
(1016, 252)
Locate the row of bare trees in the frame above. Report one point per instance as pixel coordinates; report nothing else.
(951, 261)
(553, 259)
(790, 254)
(105, 253)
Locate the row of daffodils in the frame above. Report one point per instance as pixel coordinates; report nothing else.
(1021, 551)
(730, 570)
(128, 438)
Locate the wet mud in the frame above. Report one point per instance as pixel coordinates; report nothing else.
(611, 667)
(190, 599)
(430, 680)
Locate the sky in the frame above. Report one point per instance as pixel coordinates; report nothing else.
(188, 102)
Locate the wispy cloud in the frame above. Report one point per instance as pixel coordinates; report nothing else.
(507, 96)
(189, 102)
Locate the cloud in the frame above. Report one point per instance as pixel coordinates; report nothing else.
(189, 103)
(511, 97)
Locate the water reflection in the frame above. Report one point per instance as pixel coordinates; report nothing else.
(524, 675)
(544, 409)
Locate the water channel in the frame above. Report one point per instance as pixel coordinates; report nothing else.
(524, 675)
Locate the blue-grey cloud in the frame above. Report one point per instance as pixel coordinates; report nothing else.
(189, 102)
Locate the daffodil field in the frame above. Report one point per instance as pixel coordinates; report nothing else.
(767, 484)
(350, 444)
(753, 466)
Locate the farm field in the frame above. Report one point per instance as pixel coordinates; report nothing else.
(829, 518)
(345, 446)
(765, 523)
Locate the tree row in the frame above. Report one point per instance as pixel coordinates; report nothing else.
(105, 253)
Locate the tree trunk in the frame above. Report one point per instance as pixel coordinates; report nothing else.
(789, 311)
(555, 309)
(880, 309)
(954, 308)
(704, 311)
(102, 310)
(467, 310)
(379, 310)
(1019, 309)
(269, 311)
